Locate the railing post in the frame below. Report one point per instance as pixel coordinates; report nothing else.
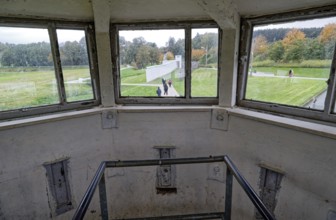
(102, 198)
(228, 194)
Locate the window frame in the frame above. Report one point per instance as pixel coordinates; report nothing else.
(247, 25)
(63, 105)
(187, 99)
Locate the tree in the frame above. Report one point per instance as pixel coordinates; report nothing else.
(154, 55)
(72, 53)
(293, 44)
(179, 47)
(122, 49)
(143, 56)
(259, 47)
(328, 38)
(197, 54)
(276, 51)
(314, 50)
(170, 44)
(291, 36)
(328, 33)
(196, 42)
(34, 54)
(170, 56)
(295, 51)
(132, 49)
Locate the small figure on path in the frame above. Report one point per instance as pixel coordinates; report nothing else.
(158, 91)
(165, 87)
(163, 81)
(291, 73)
(170, 82)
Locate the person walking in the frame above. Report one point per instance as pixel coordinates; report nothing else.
(170, 82)
(165, 87)
(158, 91)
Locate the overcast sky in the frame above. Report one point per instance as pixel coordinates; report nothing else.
(160, 37)
(300, 24)
(34, 35)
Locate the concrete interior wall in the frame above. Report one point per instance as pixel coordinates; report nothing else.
(307, 190)
(307, 159)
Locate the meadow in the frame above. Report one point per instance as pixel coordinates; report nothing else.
(30, 87)
(306, 84)
(24, 88)
(203, 83)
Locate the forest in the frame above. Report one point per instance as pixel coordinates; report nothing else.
(139, 53)
(294, 45)
(39, 54)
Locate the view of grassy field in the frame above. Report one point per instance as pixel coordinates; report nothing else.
(288, 91)
(300, 72)
(278, 87)
(133, 83)
(203, 83)
(38, 87)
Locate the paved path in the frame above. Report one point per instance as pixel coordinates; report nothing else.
(171, 91)
(318, 101)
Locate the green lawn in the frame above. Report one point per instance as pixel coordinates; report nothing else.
(288, 91)
(203, 84)
(131, 75)
(30, 88)
(138, 91)
(300, 72)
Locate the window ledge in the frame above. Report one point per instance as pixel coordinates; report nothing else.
(295, 124)
(283, 121)
(21, 122)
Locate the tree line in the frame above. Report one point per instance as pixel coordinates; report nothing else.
(294, 45)
(139, 53)
(39, 54)
(273, 35)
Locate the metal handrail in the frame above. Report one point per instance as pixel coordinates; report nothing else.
(99, 179)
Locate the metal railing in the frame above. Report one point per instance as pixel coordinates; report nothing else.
(231, 171)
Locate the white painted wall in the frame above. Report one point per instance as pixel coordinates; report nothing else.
(157, 71)
(307, 190)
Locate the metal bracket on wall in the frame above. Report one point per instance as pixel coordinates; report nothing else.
(166, 174)
(219, 119)
(57, 174)
(109, 119)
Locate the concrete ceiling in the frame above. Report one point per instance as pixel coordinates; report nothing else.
(261, 7)
(147, 10)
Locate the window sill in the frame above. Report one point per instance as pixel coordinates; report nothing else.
(283, 121)
(21, 122)
(290, 123)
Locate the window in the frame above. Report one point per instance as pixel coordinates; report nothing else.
(204, 66)
(289, 65)
(45, 67)
(165, 63)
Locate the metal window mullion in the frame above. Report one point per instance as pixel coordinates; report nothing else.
(114, 35)
(57, 63)
(330, 97)
(93, 62)
(188, 62)
(244, 59)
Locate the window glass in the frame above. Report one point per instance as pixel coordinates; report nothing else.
(204, 57)
(152, 63)
(290, 62)
(27, 76)
(75, 65)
